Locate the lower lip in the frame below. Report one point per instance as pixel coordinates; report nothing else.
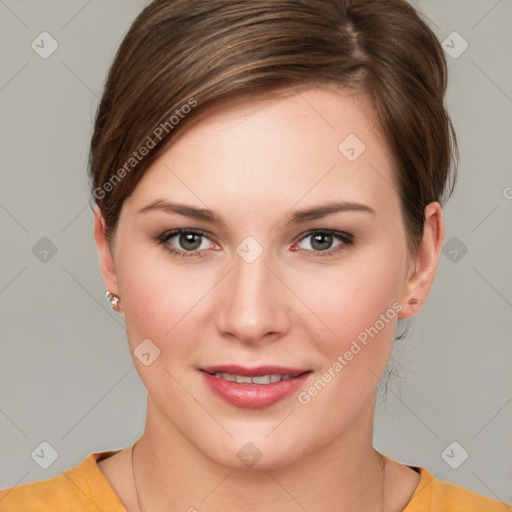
(253, 396)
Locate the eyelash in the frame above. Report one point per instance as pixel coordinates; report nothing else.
(346, 238)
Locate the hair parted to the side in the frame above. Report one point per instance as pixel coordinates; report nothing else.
(180, 57)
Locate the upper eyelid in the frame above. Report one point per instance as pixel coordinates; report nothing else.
(336, 233)
(174, 232)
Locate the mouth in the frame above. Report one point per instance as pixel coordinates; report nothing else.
(242, 379)
(253, 388)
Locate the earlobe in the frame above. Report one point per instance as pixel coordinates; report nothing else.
(105, 255)
(423, 268)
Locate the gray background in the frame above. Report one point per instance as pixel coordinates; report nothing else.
(66, 376)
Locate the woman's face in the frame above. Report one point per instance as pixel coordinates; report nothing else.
(272, 281)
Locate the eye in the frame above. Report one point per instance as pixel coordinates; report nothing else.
(186, 242)
(193, 242)
(321, 242)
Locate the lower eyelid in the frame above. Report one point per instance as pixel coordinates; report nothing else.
(203, 238)
(343, 238)
(346, 239)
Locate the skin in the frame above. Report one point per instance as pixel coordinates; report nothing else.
(254, 163)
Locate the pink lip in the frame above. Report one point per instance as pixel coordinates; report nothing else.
(254, 396)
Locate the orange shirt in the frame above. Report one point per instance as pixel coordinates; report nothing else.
(85, 489)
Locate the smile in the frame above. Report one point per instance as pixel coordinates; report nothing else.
(261, 380)
(253, 388)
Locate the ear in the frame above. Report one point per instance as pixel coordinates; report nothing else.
(105, 254)
(424, 264)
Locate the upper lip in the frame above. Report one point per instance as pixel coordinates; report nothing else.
(256, 371)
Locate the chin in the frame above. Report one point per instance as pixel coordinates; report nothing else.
(254, 453)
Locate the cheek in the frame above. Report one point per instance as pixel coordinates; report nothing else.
(361, 308)
(169, 302)
(157, 296)
(358, 308)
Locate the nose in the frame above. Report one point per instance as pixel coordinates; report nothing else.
(253, 303)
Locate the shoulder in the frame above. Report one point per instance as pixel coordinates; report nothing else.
(434, 495)
(81, 488)
(44, 495)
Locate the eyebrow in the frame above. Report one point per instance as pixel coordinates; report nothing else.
(318, 212)
(295, 217)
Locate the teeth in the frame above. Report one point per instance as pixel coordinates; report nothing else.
(263, 379)
(243, 379)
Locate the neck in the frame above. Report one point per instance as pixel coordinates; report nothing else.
(344, 475)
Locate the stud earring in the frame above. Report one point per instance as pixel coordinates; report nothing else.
(114, 301)
(414, 302)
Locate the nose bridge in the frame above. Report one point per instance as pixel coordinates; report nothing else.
(254, 304)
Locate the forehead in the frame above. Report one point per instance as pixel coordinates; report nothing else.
(316, 144)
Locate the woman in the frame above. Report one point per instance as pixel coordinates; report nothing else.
(268, 179)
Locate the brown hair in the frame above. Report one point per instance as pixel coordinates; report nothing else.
(181, 56)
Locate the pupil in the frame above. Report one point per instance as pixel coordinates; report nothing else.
(189, 239)
(325, 238)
